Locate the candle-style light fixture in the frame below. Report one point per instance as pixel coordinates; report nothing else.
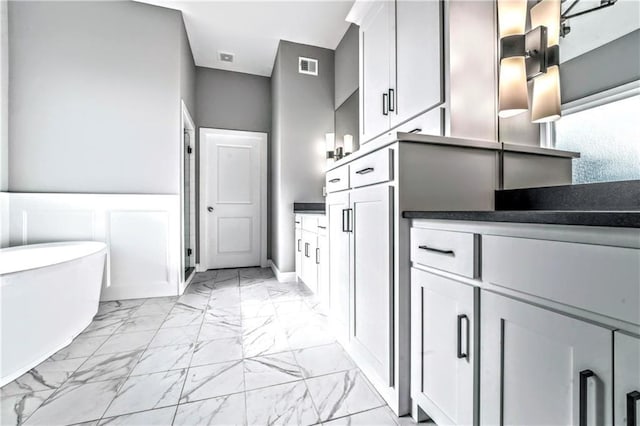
(348, 144)
(526, 56)
(330, 143)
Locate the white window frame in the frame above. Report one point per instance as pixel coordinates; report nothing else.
(548, 130)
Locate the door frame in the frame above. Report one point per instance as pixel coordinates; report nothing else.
(187, 123)
(204, 131)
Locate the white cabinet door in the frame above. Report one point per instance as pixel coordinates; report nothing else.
(322, 258)
(443, 317)
(309, 266)
(337, 215)
(419, 61)
(376, 44)
(298, 234)
(372, 280)
(542, 368)
(626, 350)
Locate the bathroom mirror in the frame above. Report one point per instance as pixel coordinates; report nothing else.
(600, 83)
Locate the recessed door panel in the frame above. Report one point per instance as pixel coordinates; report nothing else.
(372, 282)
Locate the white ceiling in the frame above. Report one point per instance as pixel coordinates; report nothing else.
(251, 30)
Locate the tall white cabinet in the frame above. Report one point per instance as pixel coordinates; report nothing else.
(368, 239)
(401, 66)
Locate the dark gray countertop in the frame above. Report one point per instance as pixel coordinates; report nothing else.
(582, 218)
(318, 208)
(611, 204)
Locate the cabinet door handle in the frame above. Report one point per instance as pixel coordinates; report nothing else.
(632, 401)
(334, 180)
(306, 249)
(385, 104)
(464, 354)
(299, 241)
(322, 227)
(317, 255)
(392, 100)
(427, 248)
(584, 376)
(365, 171)
(345, 217)
(416, 130)
(350, 220)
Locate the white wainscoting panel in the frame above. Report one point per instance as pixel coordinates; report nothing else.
(4, 219)
(141, 231)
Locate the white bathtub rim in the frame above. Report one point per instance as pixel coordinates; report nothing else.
(98, 247)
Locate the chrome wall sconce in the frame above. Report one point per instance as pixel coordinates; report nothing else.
(534, 55)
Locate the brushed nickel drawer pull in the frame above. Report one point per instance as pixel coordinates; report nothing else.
(365, 171)
(334, 180)
(449, 252)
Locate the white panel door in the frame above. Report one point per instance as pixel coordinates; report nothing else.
(231, 205)
(375, 48)
(371, 278)
(419, 64)
(339, 299)
(539, 367)
(443, 354)
(626, 394)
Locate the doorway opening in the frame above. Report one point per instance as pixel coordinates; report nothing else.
(188, 197)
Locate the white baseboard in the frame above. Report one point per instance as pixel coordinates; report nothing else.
(283, 277)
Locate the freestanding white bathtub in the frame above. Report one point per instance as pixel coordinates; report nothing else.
(49, 293)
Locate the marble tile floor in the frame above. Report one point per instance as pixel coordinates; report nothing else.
(238, 348)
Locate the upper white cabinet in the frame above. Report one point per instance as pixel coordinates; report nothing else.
(419, 59)
(401, 64)
(376, 42)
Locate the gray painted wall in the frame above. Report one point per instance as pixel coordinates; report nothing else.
(346, 65)
(237, 101)
(232, 100)
(614, 64)
(303, 112)
(4, 105)
(95, 92)
(187, 73)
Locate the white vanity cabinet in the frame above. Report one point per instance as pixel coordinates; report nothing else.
(558, 327)
(401, 64)
(339, 259)
(369, 244)
(372, 290)
(443, 347)
(626, 379)
(312, 254)
(542, 367)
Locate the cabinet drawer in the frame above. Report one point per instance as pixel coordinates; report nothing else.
(600, 279)
(372, 168)
(449, 251)
(310, 223)
(338, 179)
(322, 225)
(429, 123)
